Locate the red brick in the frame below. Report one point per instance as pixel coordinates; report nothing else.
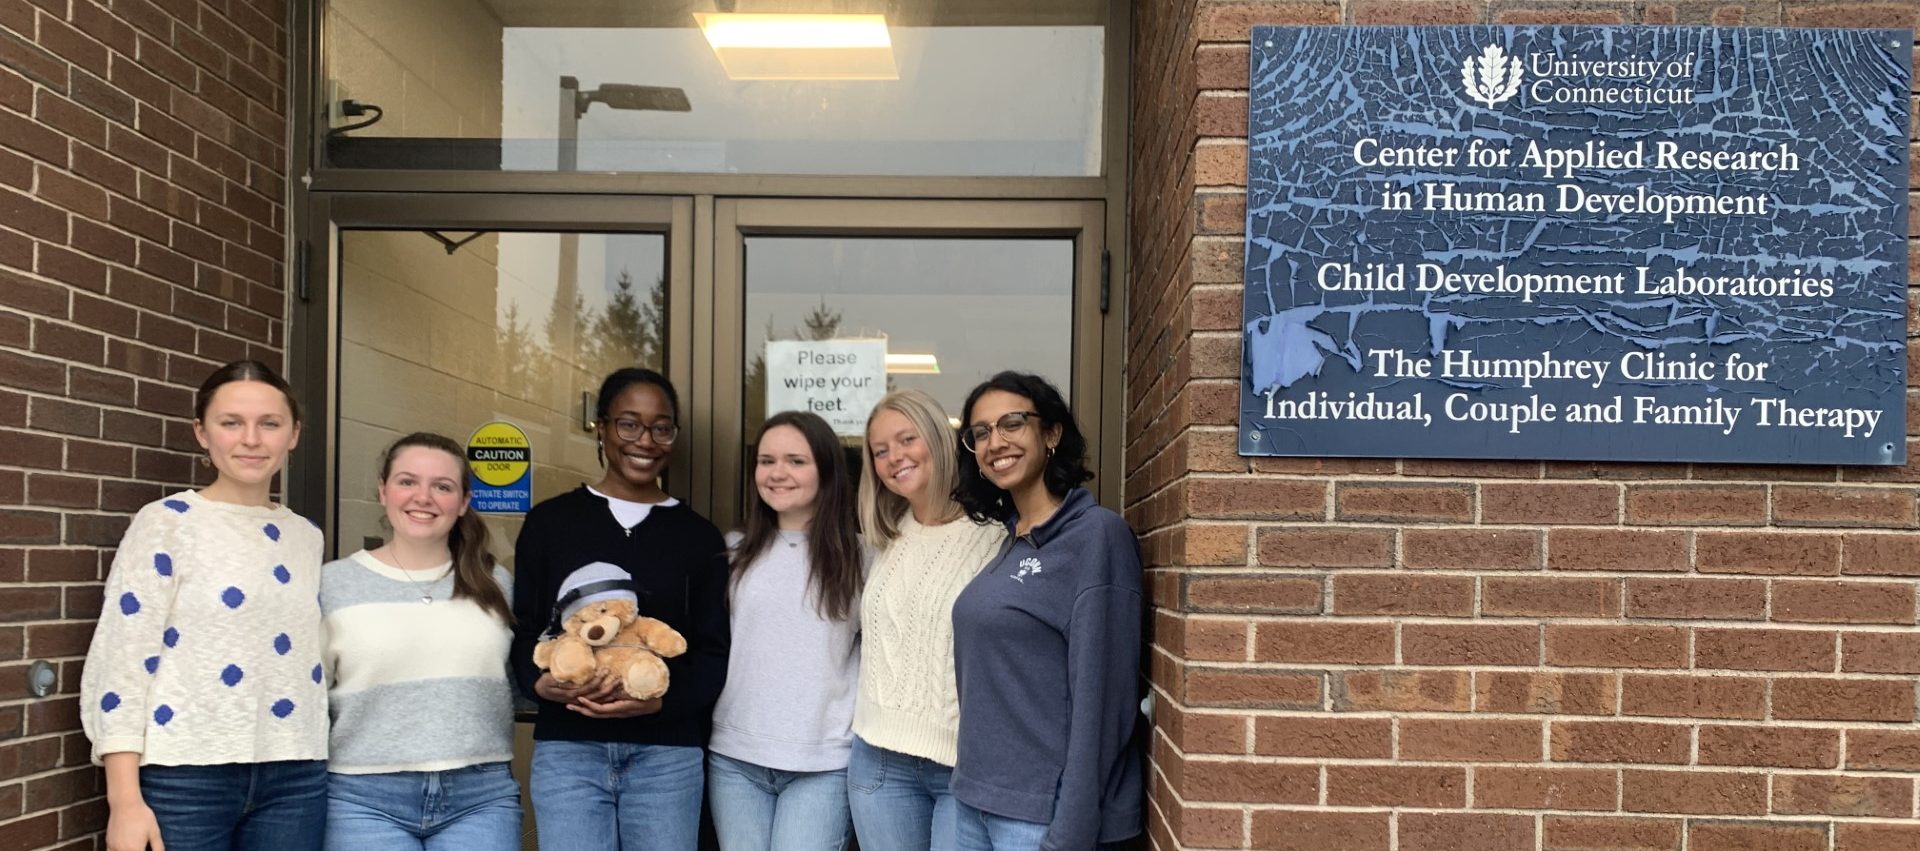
(1470, 549)
(1479, 831)
(1402, 594)
(1579, 833)
(1621, 742)
(1805, 554)
(1325, 546)
(1220, 165)
(1876, 837)
(1883, 750)
(1227, 781)
(1323, 737)
(1851, 601)
(1533, 692)
(1689, 696)
(1695, 792)
(1880, 652)
(1382, 501)
(1503, 788)
(1252, 593)
(1252, 688)
(1695, 598)
(1769, 746)
(1396, 786)
(1234, 21)
(1833, 795)
(1318, 641)
(1755, 836)
(1400, 691)
(1424, 13)
(1213, 544)
(1214, 639)
(1838, 506)
(1696, 505)
(1549, 503)
(1511, 596)
(1843, 700)
(1616, 646)
(1266, 499)
(1470, 644)
(1291, 830)
(1593, 12)
(1764, 649)
(1882, 555)
(1470, 740)
(1616, 550)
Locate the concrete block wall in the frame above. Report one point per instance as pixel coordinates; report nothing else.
(142, 167)
(1414, 655)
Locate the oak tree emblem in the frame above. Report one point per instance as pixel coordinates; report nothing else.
(1492, 78)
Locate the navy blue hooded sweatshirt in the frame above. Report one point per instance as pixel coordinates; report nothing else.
(1046, 646)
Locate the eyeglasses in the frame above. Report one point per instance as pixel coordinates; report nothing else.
(1009, 425)
(629, 431)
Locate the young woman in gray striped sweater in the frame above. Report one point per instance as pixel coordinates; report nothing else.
(417, 637)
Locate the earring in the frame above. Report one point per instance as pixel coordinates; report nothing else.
(206, 460)
(1049, 452)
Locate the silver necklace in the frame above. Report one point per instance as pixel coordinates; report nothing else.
(426, 591)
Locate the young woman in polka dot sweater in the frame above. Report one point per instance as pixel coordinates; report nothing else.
(202, 691)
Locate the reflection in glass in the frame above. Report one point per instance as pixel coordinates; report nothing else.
(953, 311)
(512, 326)
(973, 89)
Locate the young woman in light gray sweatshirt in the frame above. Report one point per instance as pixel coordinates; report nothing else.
(782, 731)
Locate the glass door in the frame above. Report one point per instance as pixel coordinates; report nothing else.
(504, 313)
(936, 295)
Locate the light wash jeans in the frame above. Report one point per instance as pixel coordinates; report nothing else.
(756, 808)
(977, 830)
(613, 796)
(899, 802)
(476, 807)
(244, 806)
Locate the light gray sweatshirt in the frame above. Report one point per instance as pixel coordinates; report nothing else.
(791, 674)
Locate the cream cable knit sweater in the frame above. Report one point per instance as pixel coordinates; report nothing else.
(907, 701)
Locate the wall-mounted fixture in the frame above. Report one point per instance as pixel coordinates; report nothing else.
(41, 678)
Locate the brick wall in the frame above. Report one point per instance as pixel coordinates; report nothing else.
(1486, 656)
(142, 167)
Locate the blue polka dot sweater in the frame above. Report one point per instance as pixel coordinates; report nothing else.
(208, 648)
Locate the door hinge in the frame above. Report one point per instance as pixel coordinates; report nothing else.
(1106, 279)
(303, 270)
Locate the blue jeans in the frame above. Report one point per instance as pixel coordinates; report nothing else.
(616, 796)
(765, 809)
(476, 807)
(977, 830)
(899, 802)
(241, 806)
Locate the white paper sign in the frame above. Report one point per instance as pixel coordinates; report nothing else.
(841, 380)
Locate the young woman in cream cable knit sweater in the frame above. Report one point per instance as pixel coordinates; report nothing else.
(907, 716)
(202, 690)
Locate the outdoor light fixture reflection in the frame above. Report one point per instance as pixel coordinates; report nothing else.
(630, 96)
(800, 47)
(899, 363)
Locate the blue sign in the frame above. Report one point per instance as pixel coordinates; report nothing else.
(1594, 243)
(500, 469)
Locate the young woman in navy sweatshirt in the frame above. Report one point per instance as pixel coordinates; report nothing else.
(608, 771)
(1046, 640)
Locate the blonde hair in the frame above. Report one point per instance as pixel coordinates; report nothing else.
(880, 508)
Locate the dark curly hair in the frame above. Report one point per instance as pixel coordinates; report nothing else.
(619, 380)
(986, 502)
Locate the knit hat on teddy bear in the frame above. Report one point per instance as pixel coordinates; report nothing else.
(593, 583)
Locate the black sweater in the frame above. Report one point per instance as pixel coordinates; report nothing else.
(678, 561)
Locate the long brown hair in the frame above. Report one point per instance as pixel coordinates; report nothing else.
(472, 563)
(833, 538)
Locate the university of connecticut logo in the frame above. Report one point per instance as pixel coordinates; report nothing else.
(1028, 567)
(1492, 78)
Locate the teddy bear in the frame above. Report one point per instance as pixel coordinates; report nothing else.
(610, 636)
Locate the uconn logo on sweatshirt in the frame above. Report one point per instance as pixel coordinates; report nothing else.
(1029, 566)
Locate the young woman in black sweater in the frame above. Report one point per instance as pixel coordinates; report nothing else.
(608, 771)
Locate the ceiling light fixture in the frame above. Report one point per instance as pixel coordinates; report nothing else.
(800, 47)
(900, 363)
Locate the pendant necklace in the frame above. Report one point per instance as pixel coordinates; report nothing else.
(426, 591)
